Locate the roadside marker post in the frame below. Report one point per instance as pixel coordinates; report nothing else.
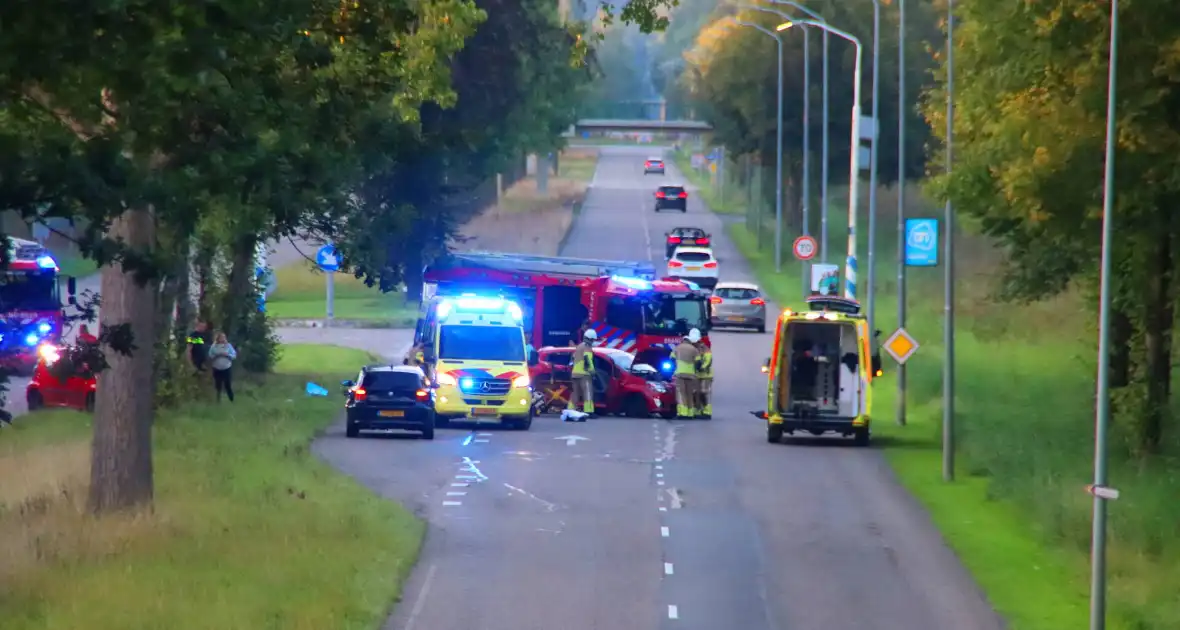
(805, 248)
(329, 261)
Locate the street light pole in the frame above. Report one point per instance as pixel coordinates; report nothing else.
(901, 173)
(948, 305)
(850, 262)
(871, 288)
(1102, 415)
(823, 212)
(778, 189)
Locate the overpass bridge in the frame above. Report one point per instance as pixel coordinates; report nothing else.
(638, 116)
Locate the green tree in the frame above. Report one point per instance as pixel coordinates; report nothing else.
(1030, 93)
(145, 114)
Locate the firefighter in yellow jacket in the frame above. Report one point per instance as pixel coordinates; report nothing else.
(705, 380)
(686, 355)
(582, 374)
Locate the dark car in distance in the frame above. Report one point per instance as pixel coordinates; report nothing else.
(685, 237)
(389, 397)
(671, 198)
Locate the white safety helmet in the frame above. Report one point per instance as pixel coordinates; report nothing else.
(590, 334)
(694, 335)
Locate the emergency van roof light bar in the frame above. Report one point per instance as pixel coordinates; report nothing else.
(475, 304)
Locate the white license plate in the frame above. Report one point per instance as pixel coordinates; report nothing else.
(692, 268)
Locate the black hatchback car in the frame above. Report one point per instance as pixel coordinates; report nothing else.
(389, 397)
(685, 237)
(671, 198)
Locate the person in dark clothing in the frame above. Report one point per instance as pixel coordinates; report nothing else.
(199, 341)
(804, 370)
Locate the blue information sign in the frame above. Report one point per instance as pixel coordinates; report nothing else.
(921, 242)
(327, 258)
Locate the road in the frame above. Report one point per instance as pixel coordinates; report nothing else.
(645, 524)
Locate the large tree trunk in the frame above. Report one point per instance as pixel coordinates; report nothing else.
(204, 268)
(121, 464)
(238, 298)
(1159, 321)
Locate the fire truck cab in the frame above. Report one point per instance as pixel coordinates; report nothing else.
(30, 304)
(622, 301)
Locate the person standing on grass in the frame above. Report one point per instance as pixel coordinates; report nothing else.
(198, 345)
(221, 359)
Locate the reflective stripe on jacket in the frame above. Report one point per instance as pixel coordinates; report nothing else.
(582, 363)
(705, 364)
(686, 358)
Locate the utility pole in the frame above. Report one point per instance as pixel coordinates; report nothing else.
(948, 332)
(901, 173)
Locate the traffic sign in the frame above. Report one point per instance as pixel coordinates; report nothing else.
(921, 242)
(805, 248)
(327, 258)
(901, 346)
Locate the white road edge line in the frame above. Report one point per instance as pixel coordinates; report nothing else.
(664, 531)
(668, 568)
(673, 611)
(420, 602)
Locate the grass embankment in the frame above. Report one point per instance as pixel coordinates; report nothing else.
(301, 293)
(249, 529)
(528, 221)
(1017, 516)
(76, 266)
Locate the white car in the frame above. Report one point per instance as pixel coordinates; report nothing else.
(696, 264)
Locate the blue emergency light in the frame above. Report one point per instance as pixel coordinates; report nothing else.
(639, 284)
(667, 367)
(46, 262)
(473, 303)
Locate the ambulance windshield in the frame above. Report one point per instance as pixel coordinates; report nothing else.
(458, 342)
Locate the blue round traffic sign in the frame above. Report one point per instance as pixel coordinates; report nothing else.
(327, 258)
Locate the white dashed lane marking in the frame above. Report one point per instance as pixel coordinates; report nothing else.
(664, 531)
(673, 612)
(668, 568)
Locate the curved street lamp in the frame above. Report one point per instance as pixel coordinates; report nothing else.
(853, 193)
(778, 186)
(823, 183)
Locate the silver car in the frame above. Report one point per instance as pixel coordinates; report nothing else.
(739, 304)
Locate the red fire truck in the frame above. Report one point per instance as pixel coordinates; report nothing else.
(30, 304)
(622, 301)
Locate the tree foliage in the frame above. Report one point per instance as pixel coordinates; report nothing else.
(1030, 94)
(731, 75)
(187, 134)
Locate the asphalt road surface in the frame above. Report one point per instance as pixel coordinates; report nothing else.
(642, 524)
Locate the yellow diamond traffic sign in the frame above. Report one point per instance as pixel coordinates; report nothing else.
(901, 346)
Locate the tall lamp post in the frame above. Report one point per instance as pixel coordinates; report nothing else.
(850, 262)
(778, 188)
(823, 184)
(806, 130)
(901, 115)
(871, 288)
(1102, 416)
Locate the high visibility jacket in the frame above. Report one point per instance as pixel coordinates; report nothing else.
(686, 359)
(196, 341)
(583, 360)
(705, 363)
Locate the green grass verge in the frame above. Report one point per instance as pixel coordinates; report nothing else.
(249, 529)
(76, 266)
(302, 294)
(731, 200)
(1017, 515)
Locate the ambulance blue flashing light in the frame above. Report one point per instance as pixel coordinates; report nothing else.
(667, 366)
(46, 262)
(638, 284)
(471, 302)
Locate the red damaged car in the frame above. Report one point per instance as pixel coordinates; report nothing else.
(621, 386)
(46, 390)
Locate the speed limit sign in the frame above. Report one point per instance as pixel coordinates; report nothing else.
(804, 248)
